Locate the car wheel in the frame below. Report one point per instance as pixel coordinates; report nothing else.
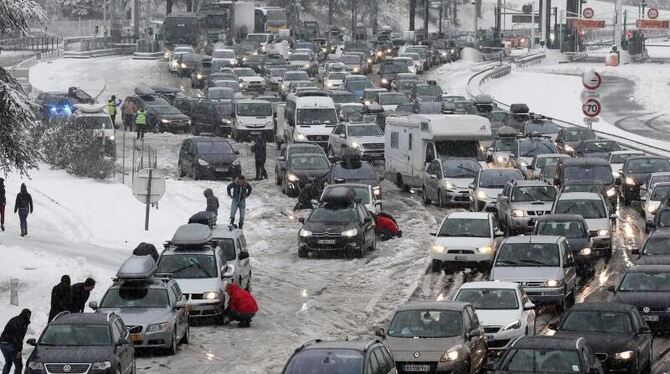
(426, 200)
(359, 253)
(401, 184)
(303, 253)
(436, 266)
(373, 246)
(440, 199)
(180, 172)
(187, 335)
(194, 174)
(172, 350)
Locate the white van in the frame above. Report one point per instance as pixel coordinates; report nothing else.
(252, 118)
(412, 141)
(308, 119)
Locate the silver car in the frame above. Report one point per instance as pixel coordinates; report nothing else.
(487, 185)
(522, 202)
(446, 181)
(234, 247)
(596, 213)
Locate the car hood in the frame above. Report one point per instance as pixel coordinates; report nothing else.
(141, 316)
(460, 182)
(390, 107)
(367, 139)
(491, 193)
(428, 349)
(533, 206)
(218, 157)
(200, 285)
(254, 120)
(371, 182)
(598, 223)
(639, 178)
(525, 273)
(462, 242)
(603, 155)
(653, 300)
(252, 79)
(329, 227)
(577, 244)
(498, 317)
(72, 354)
(171, 117)
(601, 342)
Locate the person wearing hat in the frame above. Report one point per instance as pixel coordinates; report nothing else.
(112, 104)
(24, 206)
(141, 118)
(3, 202)
(11, 341)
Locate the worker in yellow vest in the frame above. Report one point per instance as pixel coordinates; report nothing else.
(141, 117)
(112, 104)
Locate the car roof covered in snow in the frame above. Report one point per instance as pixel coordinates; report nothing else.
(192, 234)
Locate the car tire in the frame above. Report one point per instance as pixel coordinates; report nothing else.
(401, 184)
(172, 349)
(436, 266)
(303, 253)
(187, 335)
(373, 245)
(359, 253)
(426, 200)
(180, 171)
(195, 131)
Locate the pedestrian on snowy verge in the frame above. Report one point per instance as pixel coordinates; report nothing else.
(260, 155)
(79, 294)
(11, 341)
(212, 202)
(141, 121)
(24, 206)
(238, 191)
(3, 202)
(242, 306)
(60, 297)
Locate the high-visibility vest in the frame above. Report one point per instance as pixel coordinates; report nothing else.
(141, 118)
(111, 107)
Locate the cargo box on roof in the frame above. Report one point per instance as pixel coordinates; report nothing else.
(192, 234)
(137, 267)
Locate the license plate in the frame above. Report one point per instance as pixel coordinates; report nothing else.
(460, 258)
(135, 338)
(255, 133)
(327, 241)
(650, 318)
(221, 169)
(416, 367)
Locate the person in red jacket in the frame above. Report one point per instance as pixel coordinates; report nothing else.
(242, 306)
(386, 226)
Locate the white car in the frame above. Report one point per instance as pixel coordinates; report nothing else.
(365, 192)
(225, 56)
(335, 80)
(503, 308)
(596, 212)
(174, 56)
(249, 80)
(654, 178)
(534, 169)
(617, 159)
(659, 192)
(233, 246)
(487, 185)
(365, 138)
(418, 62)
(464, 238)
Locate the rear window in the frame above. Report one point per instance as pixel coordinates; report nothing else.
(589, 209)
(498, 178)
(326, 361)
(647, 165)
(569, 229)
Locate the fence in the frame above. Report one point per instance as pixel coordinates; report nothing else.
(133, 155)
(31, 43)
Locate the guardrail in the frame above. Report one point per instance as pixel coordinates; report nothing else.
(525, 61)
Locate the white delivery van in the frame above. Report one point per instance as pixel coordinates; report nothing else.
(309, 117)
(252, 118)
(412, 141)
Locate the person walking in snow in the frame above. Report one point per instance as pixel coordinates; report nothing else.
(242, 306)
(112, 104)
(260, 155)
(141, 120)
(238, 191)
(24, 206)
(128, 109)
(60, 297)
(212, 202)
(3, 202)
(79, 294)
(11, 341)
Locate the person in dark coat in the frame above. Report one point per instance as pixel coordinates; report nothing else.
(11, 341)
(260, 154)
(3, 202)
(79, 294)
(60, 297)
(242, 306)
(212, 201)
(24, 206)
(238, 191)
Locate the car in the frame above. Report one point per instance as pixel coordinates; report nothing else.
(366, 139)
(521, 202)
(547, 354)
(353, 63)
(200, 74)
(436, 337)
(96, 122)
(658, 195)
(173, 57)
(275, 76)
(616, 333)
(249, 80)
(252, 118)
(370, 95)
(539, 162)
(503, 308)
(214, 116)
(388, 71)
(548, 173)
(646, 288)
(104, 338)
(187, 63)
(422, 51)
(285, 152)
(488, 183)
(543, 265)
(662, 219)
(356, 84)
(635, 172)
(366, 63)
(301, 168)
(330, 67)
(542, 126)
(304, 62)
(595, 211)
(208, 158)
(596, 148)
(498, 117)
(391, 100)
(459, 107)
(519, 117)
(233, 245)
(351, 357)
(254, 62)
(529, 147)
(153, 308)
(575, 230)
(186, 105)
(502, 151)
(220, 93)
(655, 249)
(364, 192)
(617, 159)
(446, 180)
(653, 179)
(224, 57)
(568, 138)
(355, 171)
(431, 92)
(414, 59)
(484, 104)
(340, 223)
(200, 268)
(291, 76)
(295, 86)
(343, 98)
(164, 118)
(464, 239)
(581, 171)
(405, 86)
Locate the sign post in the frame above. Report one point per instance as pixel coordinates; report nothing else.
(591, 106)
(148, 188)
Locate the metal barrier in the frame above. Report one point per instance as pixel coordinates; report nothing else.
(525, 61)
(31, 43)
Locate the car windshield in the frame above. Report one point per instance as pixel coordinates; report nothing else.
(337, 75)
(460, 168)
(308, 162)
(358, 171)
(542, 128)
(656, 179)
(498, 178)
(489, 298)
(533, 193)
(76, 335)
(660, 192)
(277, 72)
(600, 146)
(663, 219)
(568, 229)
(541, 162)
(345, 98)
(299, 57)
(334, 214)
(316, 116)
(134, 296)
(188, 265)
(214, 147)
(165, 109)
(577, 135)
(362, 192)
(221, 93)
(638, 281)
(528, 254)
(504, 145)
(325, 361)
(530, 148)
(647, 165)
(600, 174)
(394, 67)
(543, 361)
(597, 321)
(428, 90)
(254, 109)
(223, 54)
(257, 38)
(358, 85)
(455, 99)
(656, 246)
(295, 149)
(589, 209)
(296, 76)
(463, 227)
(94, 123)
(393, 99)
(350, 59)
(620, 158)
(365, 130)
(182, 50)
(426, 323)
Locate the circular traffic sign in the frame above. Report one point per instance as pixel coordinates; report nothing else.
(588, 12)
(652, 13)
(592, 80)
(141, 187)
(591, 108)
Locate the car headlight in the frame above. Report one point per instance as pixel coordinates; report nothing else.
(305, 233)
(482, 195)
(300, 137)
(389, 50)
(553, 283)
(450, 185)
(438, 248)
(585, 252)
(183, 65)
(500, 159)
(568, 148)
(651, 209)
(611, 192)
(367, 102)
(165, 120)
(518, 213)
(443, 54)
(202, 162)
(306, 66)
(377, 190)
(292, 177)
(369, 60)
(211, 295)
(234, 61)
(630, 181)
(236, 162)
(355, 145)
(355, 70)
(329, 84)
(603, 232)
(241, 85)
(615, 173)
(385, 81)
(626, 355)
(156, 327)
(198, 76)
(380, 53)
(111, 137)
(452, 354)
(350, 233)
(487, 249)
(102, 365)
(35, 365)
(523, 163)
(513, 326)
(166, 55)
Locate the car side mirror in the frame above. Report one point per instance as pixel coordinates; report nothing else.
(93, 305)
(614, 216)
(227, 272)
(643, 330)
(611, 288)
(433, 176)
(281, 158)
(243, 255)
(553, 325)
(530, 167)
(617, 181)
(237, 152)
(181, 304)
(473, 333)
(503, 198)
(122, 341)
(32, 342)
(301, 220)
(433, 233)
(635, 251)
(498, 233)
(380, 333)
(528, 306)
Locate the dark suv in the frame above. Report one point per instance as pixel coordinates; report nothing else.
(82, 343)
(635, 172)
(572, 171)
(212, 116)
(351, 357)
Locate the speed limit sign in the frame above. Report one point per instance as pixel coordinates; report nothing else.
(588, 12)
(652, 13)
(591, 108)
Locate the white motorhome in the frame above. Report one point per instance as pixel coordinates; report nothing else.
(412, 141)
(308, 118)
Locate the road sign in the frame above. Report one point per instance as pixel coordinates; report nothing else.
(148, 188)
(584, 24)
(587, 95)
(588, 12)
(591, 119)
(652, 24)
(591, 108)
(652, 13)
(592, 80)
(525, 18)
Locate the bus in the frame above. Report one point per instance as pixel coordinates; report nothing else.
(182, 28)
(216, 18)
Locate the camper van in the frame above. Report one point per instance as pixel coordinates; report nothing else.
(308, 118)
(252, 118)
(412, 141)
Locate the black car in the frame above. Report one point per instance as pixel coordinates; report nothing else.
(389, 70)
(341, 223)
(208, 158)
(596, 148)
(212, 116)
(616, 333)
(255, 62)
(186, 104)
(547, 354)
(168, 93)
(200, 74)
(569, 138)
(351, 357)
(187, 63)
(647, 287)
(426, 92)
(355, 171)
(287, 150)
(635, 172)
(82, 343)
(168, 118)
(655, 249)
(343, 97)
(302, 167)
(587, 171)
(573, 227)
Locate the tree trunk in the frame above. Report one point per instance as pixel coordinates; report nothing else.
(168, 6)
(189, 5)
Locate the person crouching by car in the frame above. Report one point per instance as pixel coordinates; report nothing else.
(386, 226)
(242, 306)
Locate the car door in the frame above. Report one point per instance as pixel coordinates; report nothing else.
(503, 202)
(568, 263)
(335, 139)
(244, 263)
(124, 350)
(643, 338)
(477, 342)
(189, 153)
(281, 161)
(527, 315)
(429, 180)
(181, 319)
(183, 151)
(388, 358)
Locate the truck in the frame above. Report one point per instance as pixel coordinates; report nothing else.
(270, 19)
(413, 141)
(310, 30)
(243, 17)
(216, 17)
(181, 28)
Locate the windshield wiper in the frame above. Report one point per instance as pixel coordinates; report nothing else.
(466, 169)
(533, 262)
(505, 262)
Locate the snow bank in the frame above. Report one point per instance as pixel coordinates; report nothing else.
(471, 54)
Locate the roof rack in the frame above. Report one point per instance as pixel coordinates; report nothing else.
(307, 344)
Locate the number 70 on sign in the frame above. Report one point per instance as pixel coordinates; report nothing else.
(591, 108)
